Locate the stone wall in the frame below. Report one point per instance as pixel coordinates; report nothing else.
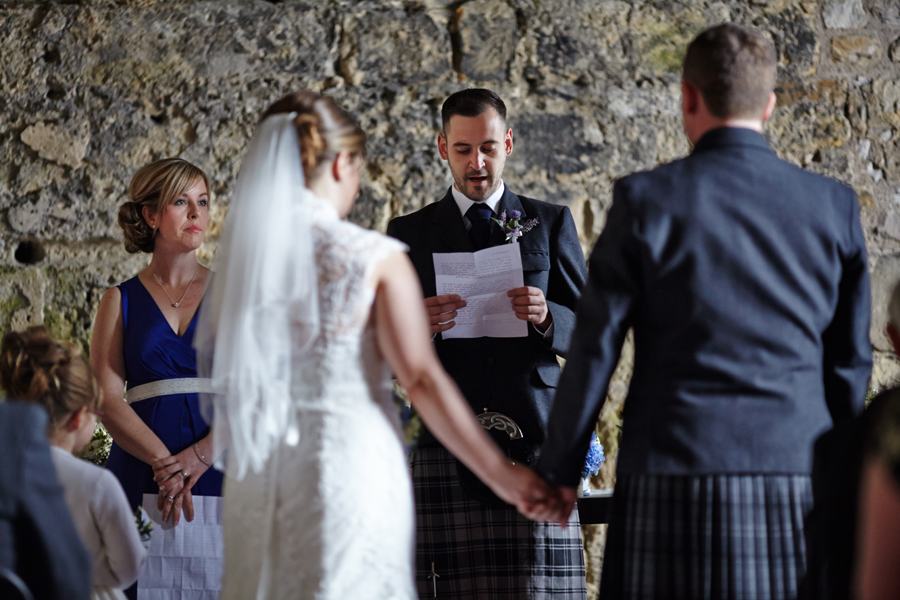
(92, 90)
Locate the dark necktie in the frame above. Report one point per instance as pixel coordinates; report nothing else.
(479, 215)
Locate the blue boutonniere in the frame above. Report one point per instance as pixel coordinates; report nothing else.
(410, 420)
(594, 458)
(514, 228)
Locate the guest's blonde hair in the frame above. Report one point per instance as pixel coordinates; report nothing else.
(155, 186)
(34, 367)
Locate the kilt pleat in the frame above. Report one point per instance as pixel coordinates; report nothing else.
(487, 552)
(736, 537)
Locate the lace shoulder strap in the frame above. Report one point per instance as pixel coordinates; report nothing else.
(346, 259)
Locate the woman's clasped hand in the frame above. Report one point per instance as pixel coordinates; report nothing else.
(176, 474)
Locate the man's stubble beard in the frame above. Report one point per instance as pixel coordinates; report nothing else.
(461, 186)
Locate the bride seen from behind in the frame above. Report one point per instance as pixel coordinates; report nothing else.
(306, 318)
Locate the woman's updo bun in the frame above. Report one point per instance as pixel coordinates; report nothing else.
(154, 186)
(324, 129)
(35, 367)
(138, 235)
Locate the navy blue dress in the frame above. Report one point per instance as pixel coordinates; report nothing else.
(153, 352)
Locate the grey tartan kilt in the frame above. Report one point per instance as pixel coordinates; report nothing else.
(738, 537)
(487, 552)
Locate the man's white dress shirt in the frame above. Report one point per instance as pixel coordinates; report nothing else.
(464, 203)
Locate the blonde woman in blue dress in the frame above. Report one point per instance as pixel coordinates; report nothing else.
(305, 319)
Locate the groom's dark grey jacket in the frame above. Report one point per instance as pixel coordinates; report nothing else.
(514, 376)
(744, 278)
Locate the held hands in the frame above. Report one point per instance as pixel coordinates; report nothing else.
(529, 304)
(533, 497)
(442, 310)
(556, 507)
(176, 475)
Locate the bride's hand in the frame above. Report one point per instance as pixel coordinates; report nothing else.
(521, 487)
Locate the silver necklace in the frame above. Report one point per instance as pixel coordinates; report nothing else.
(175, 304)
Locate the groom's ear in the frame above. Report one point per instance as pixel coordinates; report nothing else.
(442, 146)
(690, 98)
(770, 107)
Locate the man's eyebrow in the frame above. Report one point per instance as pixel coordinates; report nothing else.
(457, 144)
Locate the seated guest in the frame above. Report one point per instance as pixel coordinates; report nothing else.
(38, 541)
(838, 464)
(877, 557)
(36, 368)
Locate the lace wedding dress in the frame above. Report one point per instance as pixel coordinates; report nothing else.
(332, 516)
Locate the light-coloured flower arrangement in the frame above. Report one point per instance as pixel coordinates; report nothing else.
(144, 525)
(97, 450)
(513, 228)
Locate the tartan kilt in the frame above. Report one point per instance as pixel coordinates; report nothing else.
(738, 537)
(487, 552)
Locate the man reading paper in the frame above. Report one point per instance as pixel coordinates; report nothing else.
(469, 544)
(483, 279)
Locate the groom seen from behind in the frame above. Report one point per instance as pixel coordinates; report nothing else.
(469, 544)
(744, 279)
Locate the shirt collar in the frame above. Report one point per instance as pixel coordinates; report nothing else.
(464, 202)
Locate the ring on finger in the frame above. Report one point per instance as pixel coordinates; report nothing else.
(170, 498)
(185, 475)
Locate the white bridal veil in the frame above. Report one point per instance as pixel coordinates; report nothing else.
(261, 307)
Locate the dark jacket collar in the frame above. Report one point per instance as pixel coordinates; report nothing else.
(450, 224)
(731, 136)
(453, 230)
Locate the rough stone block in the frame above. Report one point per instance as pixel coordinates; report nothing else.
(844, 14)
(894, 51)
(856, 49)
(887, 11)
(887, 99)
(386, 45)
(489, 35)
(51, 142)
(538, 134)
(885, 274)
(793, 31)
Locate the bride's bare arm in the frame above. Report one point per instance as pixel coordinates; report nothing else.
(404, 337)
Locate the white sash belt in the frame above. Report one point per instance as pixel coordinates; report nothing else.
(164, 387)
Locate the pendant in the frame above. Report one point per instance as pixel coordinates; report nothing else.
(175, 304)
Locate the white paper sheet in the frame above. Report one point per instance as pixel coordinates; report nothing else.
(482, 279)
(184, 562)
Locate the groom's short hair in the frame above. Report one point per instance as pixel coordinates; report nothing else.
(734, 69)
(471, 103)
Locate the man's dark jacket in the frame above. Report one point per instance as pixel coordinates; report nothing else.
(745, 281)
(38, 540)
(513, 376)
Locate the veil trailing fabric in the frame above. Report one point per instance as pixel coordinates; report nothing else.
(260, 311)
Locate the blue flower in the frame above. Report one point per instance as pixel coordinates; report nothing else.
(515, 214)
(594, 458)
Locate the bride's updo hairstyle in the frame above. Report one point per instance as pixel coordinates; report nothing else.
(324, 128)
(34, 367)
(155, 186)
